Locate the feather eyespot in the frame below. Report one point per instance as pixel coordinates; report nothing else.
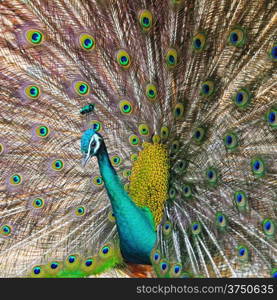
(230, 141)
(151, 91)
(144, 129)
(242, 253)
(212, 176)
(271, 118)
(207, 88)
(134, 140)
(123, 59)
(237, 37)
(187, 191)
(57, 165)
(258, 167)
(116, 160)
(38, 203)
(242, 98)
(164, 132)
(15, 179)
(145, 20)
(80, 211)
(240, 200)
(5, 230)
(199, 42)
(98, 181)
(87, 42)
(175, 270)
(81, 88)
(199, 135)
(178, 111)
(164, 266)
(34, 36)
(221, 221)
(125, 107)
(171, 58)
(269, 227)
(42, 131)
(32, 91)
(196, 228)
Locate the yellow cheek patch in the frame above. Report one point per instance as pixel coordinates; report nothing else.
(149, 179)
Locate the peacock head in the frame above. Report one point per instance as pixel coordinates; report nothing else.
(91, 144)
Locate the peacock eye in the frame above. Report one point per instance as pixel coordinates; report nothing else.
(230, 141)
(80, 211)
(167, 228)
(32, 91)
(88, 262)
(269, 227)
(271, 117)
(164, 132)
(87, 42)
(164, 266)
(5, 230)
(123, 59)
(54, 265)
(81, 88)
(96, 125)
(258, 167)
(116, 160)
(240, 200)
(15, 179)
(151, 91)
(171, 58)
(34, 37)
(273, 52)
(237, 37)
(144, 129)
(187, 192)
(212, 176)
(199, 135)
(134, 140)
(38, 203)
(243, 253)
(71, 259)
(221, 221)
(106, 251)
(172, 193)
(42, 131)
(242, 98)
(195, 228)
(178, 111)
(207, 88)
(145, 20)
(199, 42)
(125, 107)
(98, 181)
(36, 270)
(57, 165)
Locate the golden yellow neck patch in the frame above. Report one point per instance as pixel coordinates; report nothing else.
(149, 179)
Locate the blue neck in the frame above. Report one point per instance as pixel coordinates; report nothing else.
(136, 232)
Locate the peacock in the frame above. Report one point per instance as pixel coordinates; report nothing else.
(138, 138)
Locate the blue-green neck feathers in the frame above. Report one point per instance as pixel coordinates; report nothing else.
(135, 225)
